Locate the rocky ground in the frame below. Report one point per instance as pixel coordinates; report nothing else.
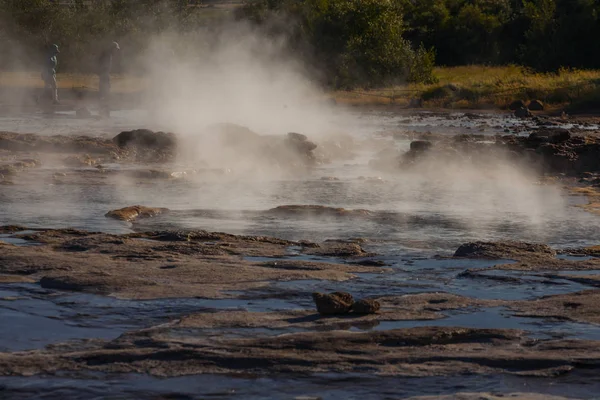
(152, 265)
(323, 332)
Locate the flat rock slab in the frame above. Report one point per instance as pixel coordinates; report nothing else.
(403, 352)
(159, 264)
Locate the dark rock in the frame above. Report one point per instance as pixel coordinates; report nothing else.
(517, 104)
(522, 113)
(536, 105)
(366, 306)
(552, 135)
(60, 283)
(334, 303)
(145, 138)
(420, 145)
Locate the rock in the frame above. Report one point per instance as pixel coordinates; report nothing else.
(134, 212)
(508, 249)
(297, 136)
(334, 303)
(300, 142)
(517, 104)
(366, 306)
(145, 138)
(522, 113)
(420, 145)
(536, 105)
(551, 135)
(83, 112)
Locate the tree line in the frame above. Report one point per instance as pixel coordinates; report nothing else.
(349, 42)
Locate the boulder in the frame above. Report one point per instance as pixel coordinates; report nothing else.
(420, 145)
(536, 105)
(553, 135)
(366, 306)
(334, 303)
(134, 212)
(145, 138)
(517, 104)
(522, 113)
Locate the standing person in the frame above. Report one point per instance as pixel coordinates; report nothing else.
(104, 69)
(49, 73)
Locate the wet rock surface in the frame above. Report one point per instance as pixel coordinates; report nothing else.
(546, 149)
(132, 213)
(82, 310)
(498, 250)
(334, 303)
(158, 264)
(407, 352)
(366, 306)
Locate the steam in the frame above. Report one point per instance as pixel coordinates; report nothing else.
(239, 76)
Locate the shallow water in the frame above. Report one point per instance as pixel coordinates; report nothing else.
(414, 217)
(320, 386)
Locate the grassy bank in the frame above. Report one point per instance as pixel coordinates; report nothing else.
(468, 87)
(32, 80)
(479, 87)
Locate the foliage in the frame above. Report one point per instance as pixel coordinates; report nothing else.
(543, 34)
(82, 28)
(351, 43)
(355, 43)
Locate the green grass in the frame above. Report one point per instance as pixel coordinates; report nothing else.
(467, 87)
(490, 87)
(32, 80)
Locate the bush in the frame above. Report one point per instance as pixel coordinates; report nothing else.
(355, 43)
